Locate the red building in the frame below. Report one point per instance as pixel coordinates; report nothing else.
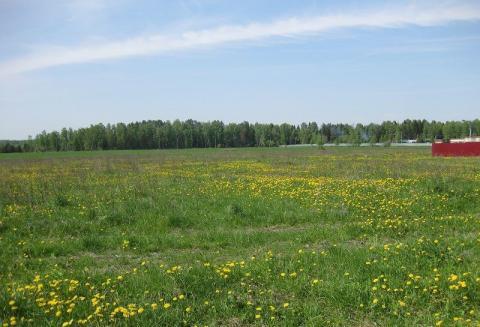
(455, 148)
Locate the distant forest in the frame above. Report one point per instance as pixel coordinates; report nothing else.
(158, 134)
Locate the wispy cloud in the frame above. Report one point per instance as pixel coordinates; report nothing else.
(426, 45)
(290, 27)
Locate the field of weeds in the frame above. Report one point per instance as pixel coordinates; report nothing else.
(233, 237)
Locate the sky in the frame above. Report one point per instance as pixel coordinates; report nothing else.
(72, 63)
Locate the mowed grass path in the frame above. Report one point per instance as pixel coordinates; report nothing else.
(234, 237)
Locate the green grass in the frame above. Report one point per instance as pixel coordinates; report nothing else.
(280, 236)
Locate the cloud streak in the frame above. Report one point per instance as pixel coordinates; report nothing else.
(188, 40)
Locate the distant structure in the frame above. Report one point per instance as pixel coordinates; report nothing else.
(466, 140)
(467, 147)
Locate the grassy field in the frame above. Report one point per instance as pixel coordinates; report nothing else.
(233, 237)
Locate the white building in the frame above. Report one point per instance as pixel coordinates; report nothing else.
(467, 139)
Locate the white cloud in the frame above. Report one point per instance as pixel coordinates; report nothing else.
(157, 44)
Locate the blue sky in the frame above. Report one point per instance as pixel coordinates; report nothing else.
(77, 62)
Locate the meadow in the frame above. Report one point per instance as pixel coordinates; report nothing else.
(235, 237)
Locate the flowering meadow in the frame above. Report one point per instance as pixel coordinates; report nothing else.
(235, 237)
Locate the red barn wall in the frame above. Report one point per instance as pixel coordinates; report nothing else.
(456, 149)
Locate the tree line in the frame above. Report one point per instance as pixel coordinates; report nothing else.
(158, 134)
